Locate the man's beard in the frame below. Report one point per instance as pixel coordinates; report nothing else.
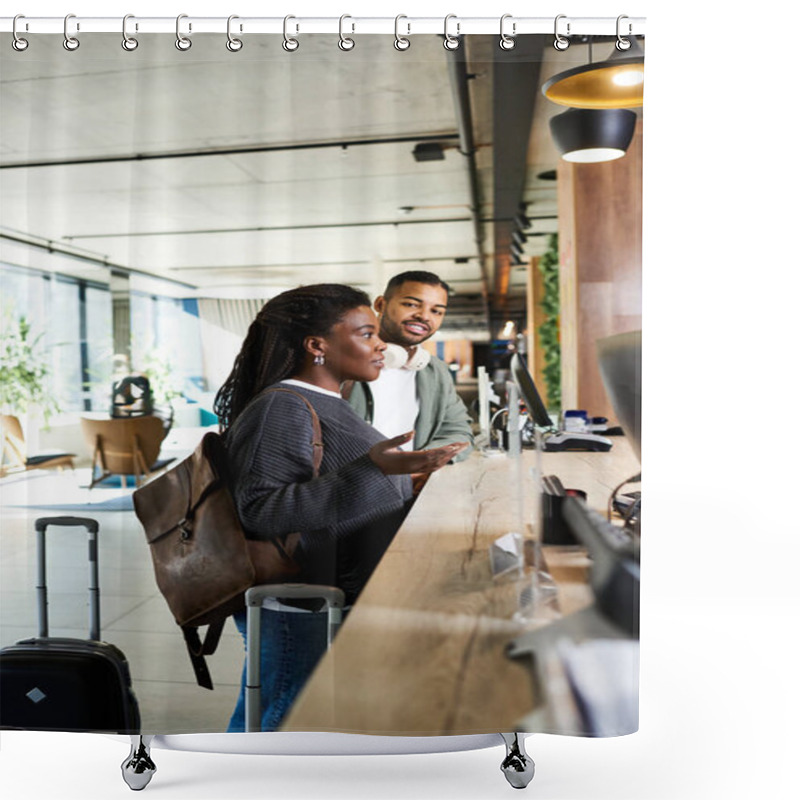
(397, 335)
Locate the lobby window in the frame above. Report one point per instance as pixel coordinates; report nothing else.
(165, 339)
(73, 320)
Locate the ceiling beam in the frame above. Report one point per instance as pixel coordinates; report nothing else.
(265, 228)
(459, 85)
(514, 95)
(230, 151)
(317, 264)
(52, 247)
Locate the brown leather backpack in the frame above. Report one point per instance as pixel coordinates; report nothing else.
(203, 562)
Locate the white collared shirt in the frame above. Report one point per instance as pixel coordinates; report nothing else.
(395, 403)
(311, 386)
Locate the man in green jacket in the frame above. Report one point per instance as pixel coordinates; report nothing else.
(415, 389)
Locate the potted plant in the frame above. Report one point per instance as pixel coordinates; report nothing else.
(159, 371)
(24, 371)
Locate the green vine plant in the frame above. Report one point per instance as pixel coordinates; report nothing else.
(24, 370)
(549, 330)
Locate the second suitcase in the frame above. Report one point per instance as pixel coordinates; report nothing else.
(333, 599)
(64, 684)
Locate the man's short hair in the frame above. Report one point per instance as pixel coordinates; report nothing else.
(415, 276)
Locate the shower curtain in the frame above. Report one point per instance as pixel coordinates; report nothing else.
(155, 196)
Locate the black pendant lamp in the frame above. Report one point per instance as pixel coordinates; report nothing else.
(589, 135)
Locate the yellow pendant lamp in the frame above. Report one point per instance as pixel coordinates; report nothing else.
(617, 82)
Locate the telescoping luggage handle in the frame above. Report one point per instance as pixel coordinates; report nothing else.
(253, 598)
(91, 525)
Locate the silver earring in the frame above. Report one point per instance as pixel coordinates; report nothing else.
(319, 360)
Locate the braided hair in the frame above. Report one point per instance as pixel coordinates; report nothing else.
(273, 348)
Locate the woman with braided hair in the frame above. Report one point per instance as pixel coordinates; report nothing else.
(311, 340)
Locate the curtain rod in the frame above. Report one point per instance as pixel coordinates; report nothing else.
(402, 25)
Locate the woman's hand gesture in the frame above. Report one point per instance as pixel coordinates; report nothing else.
(392, 461)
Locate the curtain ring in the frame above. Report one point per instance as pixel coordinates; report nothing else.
(289, 44)
(129, 43)
(18, 43)
(181, 42)
(345, 42)
(451, 42)
(70, 42)
(622, 43)
(233, 44)
(400, 42)
(507, 42)
(560, 43)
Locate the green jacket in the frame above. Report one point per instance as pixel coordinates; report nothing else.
(442, 418)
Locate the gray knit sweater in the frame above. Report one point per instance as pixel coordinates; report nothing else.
(347, 516)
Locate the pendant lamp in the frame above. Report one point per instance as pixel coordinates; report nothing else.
(588, 135)
(617, 82)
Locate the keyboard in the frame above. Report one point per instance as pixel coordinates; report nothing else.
(601, 537)
(614, 552)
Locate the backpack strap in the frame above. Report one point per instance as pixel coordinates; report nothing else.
(316, 440)
(199, 650)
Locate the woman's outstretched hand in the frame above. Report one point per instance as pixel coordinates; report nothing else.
(392, 461)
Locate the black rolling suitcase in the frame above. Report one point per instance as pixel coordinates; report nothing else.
(52, 684)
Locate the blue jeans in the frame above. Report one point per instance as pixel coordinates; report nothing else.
(291, 645)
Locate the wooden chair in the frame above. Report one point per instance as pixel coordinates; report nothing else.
(124, 447)
(15, 456)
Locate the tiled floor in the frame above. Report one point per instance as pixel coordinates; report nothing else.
(134, 616)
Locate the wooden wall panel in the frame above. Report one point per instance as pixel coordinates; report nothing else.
(568, 282)
(600, 243)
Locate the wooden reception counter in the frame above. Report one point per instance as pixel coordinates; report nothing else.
(422, 651)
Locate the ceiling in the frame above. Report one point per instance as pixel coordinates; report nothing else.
(239, 175)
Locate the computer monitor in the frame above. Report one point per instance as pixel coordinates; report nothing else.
(620, 361)
(529, 393)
